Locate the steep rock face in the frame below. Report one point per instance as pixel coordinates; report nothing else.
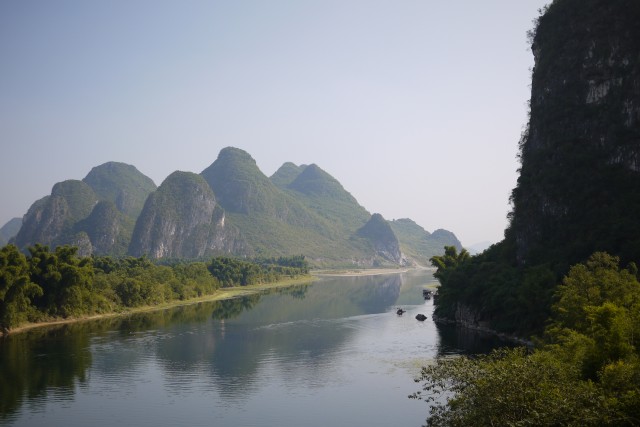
(579, 188)
(50, 220)
(182, 220)
(9, 230)
(41, 223)
(121, 184)
(107, 229)
(72, 214)
(378, 231)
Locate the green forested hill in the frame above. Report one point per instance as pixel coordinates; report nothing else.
(121, 184)
(419, 244)
(286, 174)
(323, 194)
(231, 208)
(97, 214)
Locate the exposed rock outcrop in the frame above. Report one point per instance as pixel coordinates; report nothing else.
(182, 220)
(379, 233)
(50, 221)
(231, 208)
(73, 215)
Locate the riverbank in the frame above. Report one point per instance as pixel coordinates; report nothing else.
(220, 294)
(363, 272)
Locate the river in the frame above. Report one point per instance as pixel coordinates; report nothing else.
(333, 352)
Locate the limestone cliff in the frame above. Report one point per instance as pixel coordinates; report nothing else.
(73, 215)
(579, 188)
(182, 220)
(50, 221)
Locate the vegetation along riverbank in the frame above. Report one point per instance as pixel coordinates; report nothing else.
(566, 272)
(48, 287)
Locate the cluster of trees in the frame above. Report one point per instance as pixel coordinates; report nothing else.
(511, 298)
(45, 284)
(585, 370)
(235, 272)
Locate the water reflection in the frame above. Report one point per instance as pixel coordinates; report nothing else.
(457, 340)
(232, 349)
(36, 365)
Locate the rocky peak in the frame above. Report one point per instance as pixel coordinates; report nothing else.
(238, 183)
(182, 220)
(286, 174)
(379, 233)
(121, 184)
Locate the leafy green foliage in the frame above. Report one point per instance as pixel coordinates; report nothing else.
(587, 371)
(235, 272)
(509, 388)
(513, 299)
(52, 284)
(16, 288)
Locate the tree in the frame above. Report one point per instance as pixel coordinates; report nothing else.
(450, 260)
(65, 279)
(586, 371)
(16, 288)
(509, 388)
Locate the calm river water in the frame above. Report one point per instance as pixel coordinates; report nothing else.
(331, 353)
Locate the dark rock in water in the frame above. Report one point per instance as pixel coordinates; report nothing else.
(400, 312)
(421, 317)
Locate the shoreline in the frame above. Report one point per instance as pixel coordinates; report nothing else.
(220, 294)
(364, 272)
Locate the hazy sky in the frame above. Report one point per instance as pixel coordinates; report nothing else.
(416, 107)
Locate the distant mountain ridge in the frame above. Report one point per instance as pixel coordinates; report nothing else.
(9, 230)
(230, 208)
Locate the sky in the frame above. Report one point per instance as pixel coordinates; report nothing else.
(415, 106)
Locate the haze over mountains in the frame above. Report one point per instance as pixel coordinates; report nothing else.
(230, 208)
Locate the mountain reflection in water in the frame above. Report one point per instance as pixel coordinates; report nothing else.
(331, 352)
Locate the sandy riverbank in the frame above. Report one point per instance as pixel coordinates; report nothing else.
(364, 272)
